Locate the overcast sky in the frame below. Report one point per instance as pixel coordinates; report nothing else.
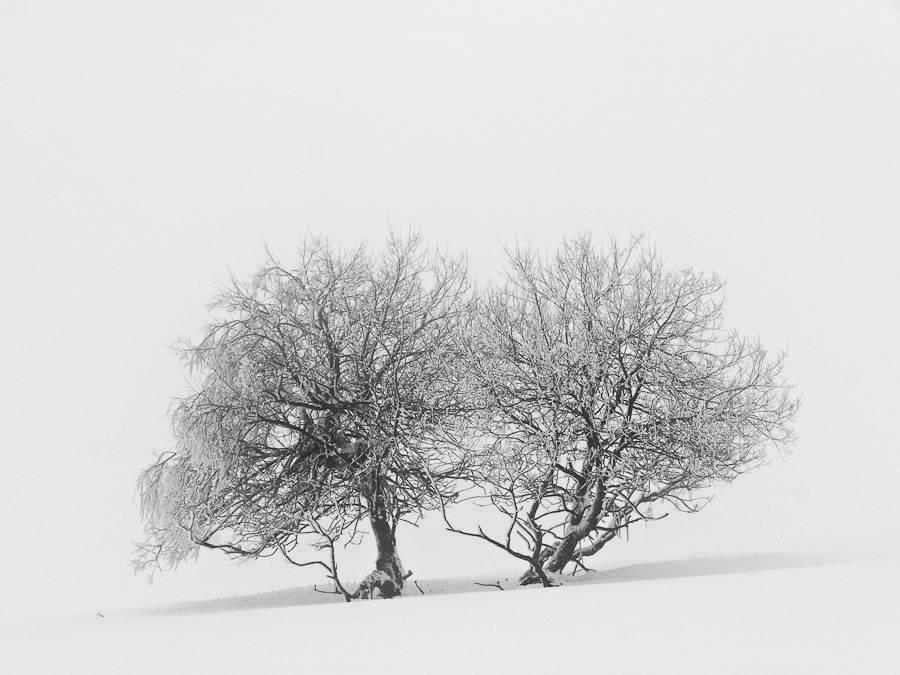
(149, 149)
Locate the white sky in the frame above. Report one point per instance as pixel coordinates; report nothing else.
(146, 150)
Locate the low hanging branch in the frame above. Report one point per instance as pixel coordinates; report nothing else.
(494, 585)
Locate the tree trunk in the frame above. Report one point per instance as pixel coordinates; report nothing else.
(388, 577)
(531, 576)
(564, 554)
(556, 558)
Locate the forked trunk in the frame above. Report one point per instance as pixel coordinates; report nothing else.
(388, 576)
(554, 559)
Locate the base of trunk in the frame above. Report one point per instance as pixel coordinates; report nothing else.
(545, 562)
(387, 579)
(530, 577)
(378, 584)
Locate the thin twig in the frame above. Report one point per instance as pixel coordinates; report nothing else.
(497, 585)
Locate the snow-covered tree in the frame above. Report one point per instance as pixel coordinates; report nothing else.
(608, 385)
(319, 391)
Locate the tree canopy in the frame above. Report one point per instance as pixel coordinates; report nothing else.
(607, 383)
(319, 390)
(352, 390)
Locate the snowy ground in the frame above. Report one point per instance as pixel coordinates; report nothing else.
(733, 615)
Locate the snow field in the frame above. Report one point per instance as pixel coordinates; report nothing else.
(838, 618)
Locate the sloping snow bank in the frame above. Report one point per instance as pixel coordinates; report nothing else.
(836, 618)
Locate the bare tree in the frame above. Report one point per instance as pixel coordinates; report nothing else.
(607, 385)
(319, 394)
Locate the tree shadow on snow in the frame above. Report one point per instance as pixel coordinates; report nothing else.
(671, 569)
(697, 567)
